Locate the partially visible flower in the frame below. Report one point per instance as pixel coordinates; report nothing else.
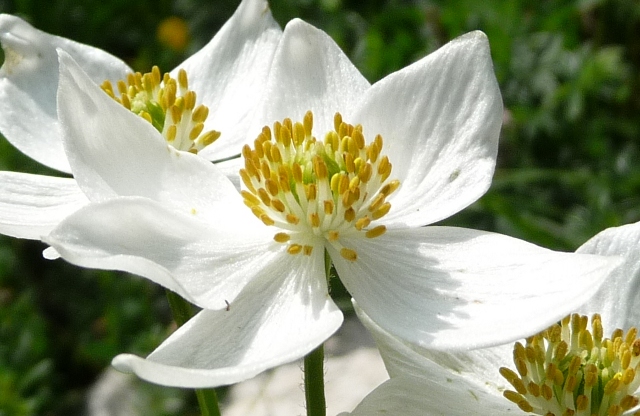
(569, 369)
(422, 146)
(228, 75)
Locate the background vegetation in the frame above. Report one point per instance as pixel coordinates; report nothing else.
(568, 165)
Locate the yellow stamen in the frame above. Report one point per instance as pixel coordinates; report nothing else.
(282, 237)
(168, 105)
(376, 231)
(327, 190)
(569, 370)
(349, 254)
(294, 249)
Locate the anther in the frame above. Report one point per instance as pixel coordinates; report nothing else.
(267, 220)
(362, 223)
(182, 79)
(349, 215)
(533, 389)
(282, 237)
(294, 249)
(308, 123)
(381, 211)
(200, 114)
(518, 399)
(328, 207)
(376, 231)
(314, 220)
(513, 378)
(349, 254)
(278, 205)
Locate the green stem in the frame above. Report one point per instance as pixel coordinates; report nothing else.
(208, 401)
(314, 382)
(182, 312)
(314, 368)
(180, 308)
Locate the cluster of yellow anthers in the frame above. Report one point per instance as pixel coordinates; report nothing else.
(168, 105)
(317, 191)
(569, 370)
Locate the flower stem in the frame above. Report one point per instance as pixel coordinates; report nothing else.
(314, 368)
(314, 382)
(180, 308)
(182, 312)
(208, 401)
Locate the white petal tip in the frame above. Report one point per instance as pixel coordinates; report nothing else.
(122, 363)
(476, 39)
(476, 35)
(50, 253)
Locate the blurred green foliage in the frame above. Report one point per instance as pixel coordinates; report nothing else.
(568, 167)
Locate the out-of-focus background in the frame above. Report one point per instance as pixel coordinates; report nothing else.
(568, 167)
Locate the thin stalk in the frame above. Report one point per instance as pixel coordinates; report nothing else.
(314, 368)
(180, 308)
(314, 382)
(182, 312)
(208, 401)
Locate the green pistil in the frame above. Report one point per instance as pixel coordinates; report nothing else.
(333, 166)
(143, 104)
(570, 371)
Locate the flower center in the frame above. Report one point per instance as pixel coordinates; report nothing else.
(168, 105)
(569, 370)
(317, 191)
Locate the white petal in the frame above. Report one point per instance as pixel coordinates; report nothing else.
(440, 120)
(178, 251)
(114, 152)
(230, 72)
(401, 358)
(278, 318)
(432, 382)
(32, 205)
(310, 72)
(28, 83)
(618, 298)
(445, 287)
(404, 396)
(437, 393)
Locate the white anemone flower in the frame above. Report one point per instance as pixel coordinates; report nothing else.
(569, 369)
(256, 261)
(227, 75)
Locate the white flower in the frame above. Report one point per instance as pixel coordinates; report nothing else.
(227, 74)
(263, 287)
(431, 383)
